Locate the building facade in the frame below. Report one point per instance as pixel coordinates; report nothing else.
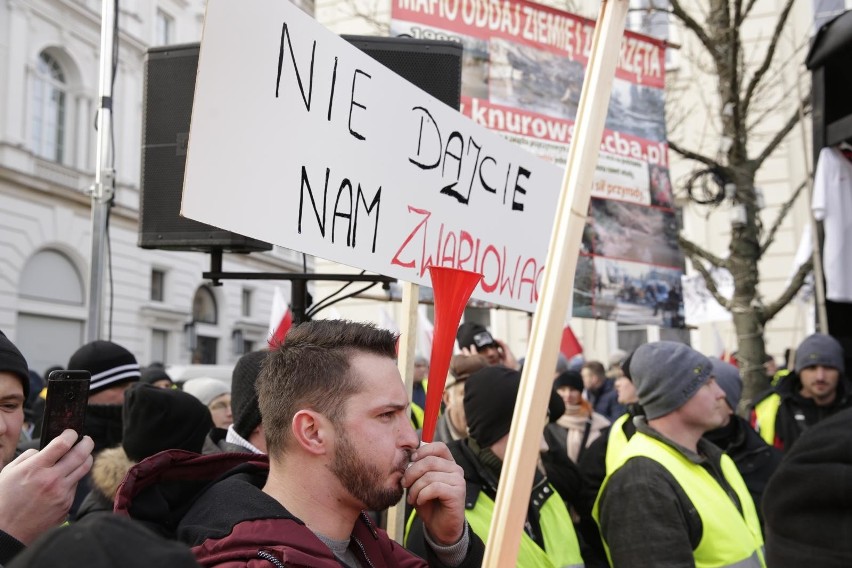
(155, 302)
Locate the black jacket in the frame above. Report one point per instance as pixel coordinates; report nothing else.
(593, 470)
(798, 413)
(755, 459)
(807, 504)
(605, 401)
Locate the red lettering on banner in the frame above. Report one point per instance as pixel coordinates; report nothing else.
(641, 58)
(504, 273)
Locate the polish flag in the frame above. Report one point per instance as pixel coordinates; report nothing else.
(280, 319)
(569, 345)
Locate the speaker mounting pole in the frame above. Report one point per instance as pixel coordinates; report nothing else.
(299, 280)
(104, 187)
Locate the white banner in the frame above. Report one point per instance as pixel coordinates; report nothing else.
(302, 140)
(699, 304)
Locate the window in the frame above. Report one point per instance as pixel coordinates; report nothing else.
(49, 109)
(681, 335)
(50, 276)
(649, 17)
(631, 336)
(158, 285)
(205, 352)
(52, 309)
(204, 306)
(159, 343)
(246, 302)
(165, 26)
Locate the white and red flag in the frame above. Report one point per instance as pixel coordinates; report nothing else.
(570, 345)
(280, 319)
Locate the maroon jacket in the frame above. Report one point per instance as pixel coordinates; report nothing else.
(215, 504)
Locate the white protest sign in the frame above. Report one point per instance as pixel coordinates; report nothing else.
(302, 140)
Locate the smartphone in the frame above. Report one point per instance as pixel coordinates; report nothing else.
(65, 406)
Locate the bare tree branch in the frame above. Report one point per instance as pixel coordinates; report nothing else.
(693, 249)
(770, 54)
(782, 214)
(748, 8)
(779, 136)
(769, 311)
(709, 282)
(693, 26)
(689, 154)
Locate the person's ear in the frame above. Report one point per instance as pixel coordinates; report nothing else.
(311, 431)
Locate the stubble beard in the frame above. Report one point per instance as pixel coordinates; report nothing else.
(363, 480)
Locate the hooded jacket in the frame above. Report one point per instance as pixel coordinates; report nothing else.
(215, 504)
(795, 413)
(109, 469)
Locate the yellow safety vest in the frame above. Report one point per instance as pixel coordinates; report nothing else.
(728, 538)
(560, 540)
(616, 443)
(776, 378)
(766, 411)
(417, 415)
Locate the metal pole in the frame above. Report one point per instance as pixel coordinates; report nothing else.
(104, 186)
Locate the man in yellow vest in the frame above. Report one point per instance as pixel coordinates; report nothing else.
(817, 389)
(674, 498)
(549, 540)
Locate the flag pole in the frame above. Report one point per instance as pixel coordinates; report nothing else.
(103, 189)
(407, 345)
(528, 420)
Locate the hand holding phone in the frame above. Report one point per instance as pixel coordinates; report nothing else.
(65, 407)
(37, 488)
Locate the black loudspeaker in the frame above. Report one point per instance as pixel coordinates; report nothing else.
(169, 88)
(434, 66)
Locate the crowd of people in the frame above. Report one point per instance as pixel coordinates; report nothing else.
(643, 463)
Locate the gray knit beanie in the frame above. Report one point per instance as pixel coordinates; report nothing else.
(820, 349)
(667, 374)
(728, 378)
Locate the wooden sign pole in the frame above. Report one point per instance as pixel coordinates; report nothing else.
(536, 382)
(407, 346)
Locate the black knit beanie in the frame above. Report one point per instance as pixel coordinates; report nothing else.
(104, 541)
(109, 363)
(244, 405)
(489, 401)
(571, 379)
(11, 361)
(158, 419)
(153, 374)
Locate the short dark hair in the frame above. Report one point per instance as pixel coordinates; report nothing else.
(595, 367)
(311, 370)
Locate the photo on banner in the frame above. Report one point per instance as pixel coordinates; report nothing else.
(522, 74)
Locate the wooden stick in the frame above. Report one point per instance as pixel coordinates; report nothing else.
(537, 380)
(407, 346)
